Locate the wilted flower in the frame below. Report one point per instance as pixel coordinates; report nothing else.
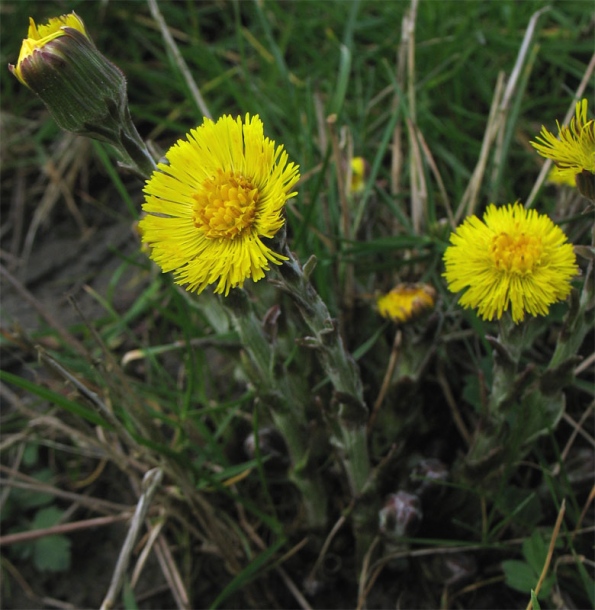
(84, 92)
(515, 258)
(208, 210)
(573, 151)
(406, 301)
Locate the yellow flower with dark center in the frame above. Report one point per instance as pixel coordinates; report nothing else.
(406, 302)
(573, 151)
(39, 35)
(514, 259)
(208, 210)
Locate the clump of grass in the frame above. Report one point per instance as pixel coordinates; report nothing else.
(146, 405)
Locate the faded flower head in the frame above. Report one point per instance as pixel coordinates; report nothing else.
(209, 208)
(84, 91)
(573, 151)
(513, 259)
(406, 302)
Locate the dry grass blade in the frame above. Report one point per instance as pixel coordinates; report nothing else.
(151, 482)
(179, 60)
(63, 528)
(497, 119)
(70, 158)
(97, 504)
(550, 551)
(66, 336)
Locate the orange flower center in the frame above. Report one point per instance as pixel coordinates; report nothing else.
(225, 206)
(516, 254)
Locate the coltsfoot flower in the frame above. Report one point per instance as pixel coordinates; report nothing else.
(514, 259)
(573, 151)
(208, 209)
(557, 177)
(358, 175)
(82, 89)
(406, 302)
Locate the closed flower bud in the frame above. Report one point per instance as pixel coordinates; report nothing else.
(429, 474)
(84, 92)
(401, 515)
(271, 446)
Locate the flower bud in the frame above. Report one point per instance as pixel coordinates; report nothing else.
(428, 474)
(453, 569)
(271, 446)
(84, 92)
(401, 515)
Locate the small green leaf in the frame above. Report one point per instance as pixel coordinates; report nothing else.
(534, 601)
(52, 554)
(535, 551)
(31, 454)
(519, 575)
(46, 517)
(128, 599)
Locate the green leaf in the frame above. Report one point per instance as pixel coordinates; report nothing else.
(46, 517)
(534, 601)
(28, 498)
(128, 599)
(52, 554)
(535, 551)
(519, 575)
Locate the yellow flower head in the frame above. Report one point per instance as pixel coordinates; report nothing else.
(39, 35)
(223, 190)
(406, 301)
(557, 177)
(573, 151)
(358, 175)
(515, 258)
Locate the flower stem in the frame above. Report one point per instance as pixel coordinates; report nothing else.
(133, 147)
(277, 391)
(349, 425)
(350, 428)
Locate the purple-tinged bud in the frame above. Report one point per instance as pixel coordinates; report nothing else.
(271, 445)
(453, 569)
(428, 475)
(84, 92)
(401, 515)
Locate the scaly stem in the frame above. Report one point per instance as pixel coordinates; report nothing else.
(277, 392)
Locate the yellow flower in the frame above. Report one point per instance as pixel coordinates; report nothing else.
(515, 259)
(557, 177)
(573, 151)
(406, 301)
(223, 190)
(39, 35)
(358, 175)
